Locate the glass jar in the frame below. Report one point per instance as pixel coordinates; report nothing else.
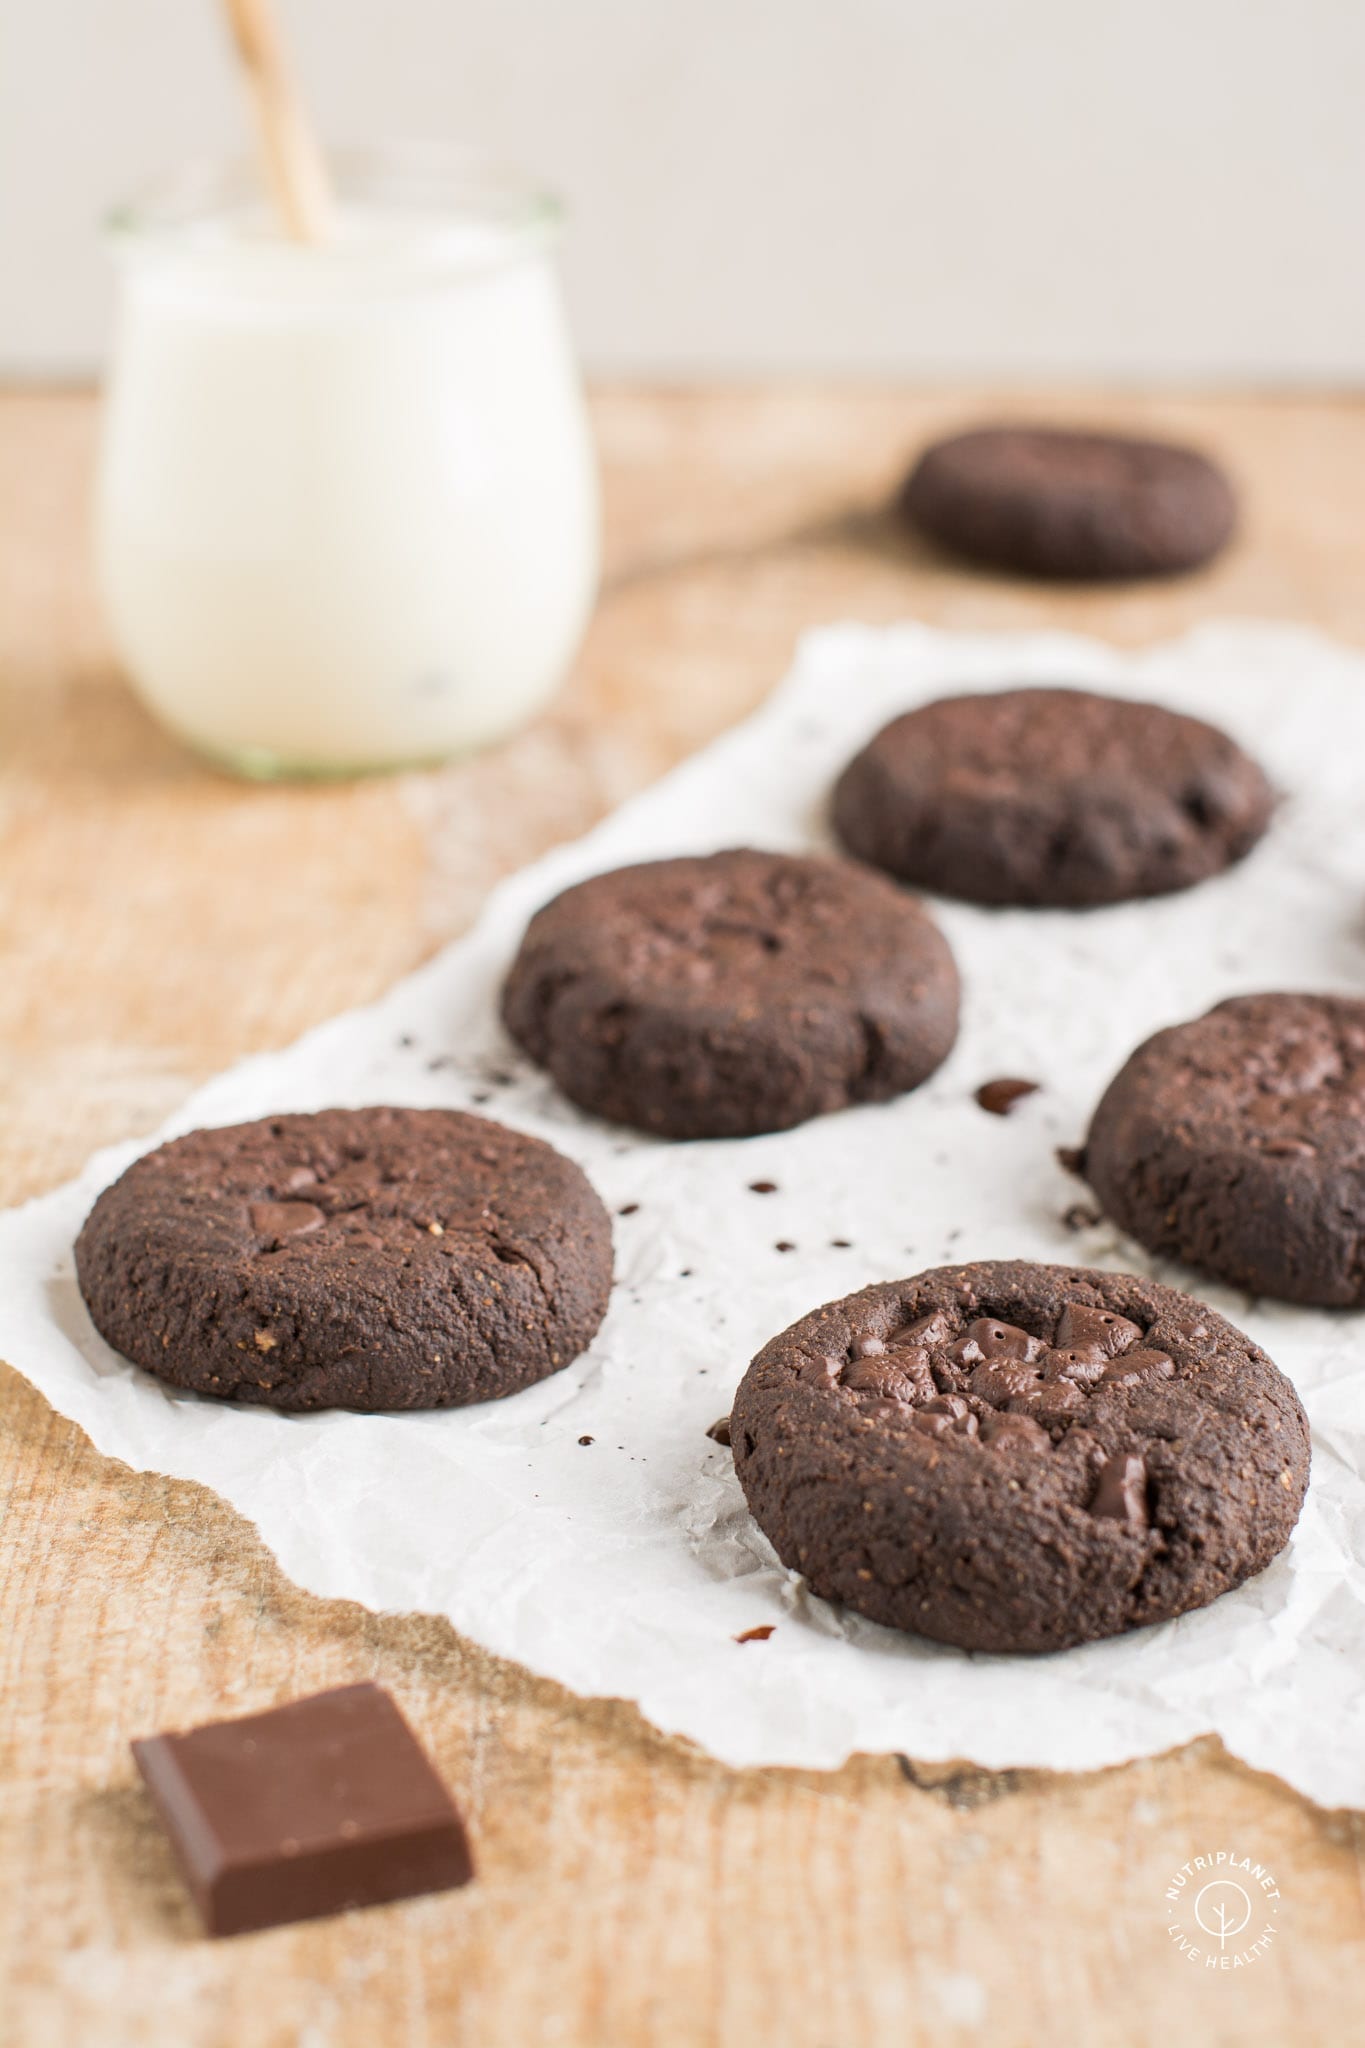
(347, 513)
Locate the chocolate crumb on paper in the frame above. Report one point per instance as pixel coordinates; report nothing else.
(756, 1635)
(998, 1097)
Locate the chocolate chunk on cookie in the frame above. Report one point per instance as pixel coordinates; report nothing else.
(732, 993)
(1050, 797)
(1041, 1455)
(1236, 1142)
(1053, 502)
(356, 1258)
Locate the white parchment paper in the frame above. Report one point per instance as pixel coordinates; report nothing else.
(626, 1566)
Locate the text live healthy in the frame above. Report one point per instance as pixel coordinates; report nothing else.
(1227, 1906)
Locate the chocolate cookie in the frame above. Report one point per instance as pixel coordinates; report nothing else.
(359, 1258)
(1237, 1143)
(1052, 502)
(1020, 1457)
(718, 996)
(1050, 796)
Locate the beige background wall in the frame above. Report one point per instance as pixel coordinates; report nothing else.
(1169, 188)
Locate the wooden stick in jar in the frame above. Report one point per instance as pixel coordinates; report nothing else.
(294, 164)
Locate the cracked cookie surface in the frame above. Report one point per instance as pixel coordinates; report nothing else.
(1019, 1457)
(1055, 797)
(731, 993)
(354, 1258)
(1236, 1142)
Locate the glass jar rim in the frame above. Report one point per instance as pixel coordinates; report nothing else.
(441, 189)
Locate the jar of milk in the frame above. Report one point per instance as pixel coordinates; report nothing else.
(347, 510)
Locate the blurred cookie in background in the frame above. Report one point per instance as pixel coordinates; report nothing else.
(1056, 797)
(1051, 501)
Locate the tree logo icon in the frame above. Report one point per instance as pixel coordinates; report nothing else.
(1222, 1909)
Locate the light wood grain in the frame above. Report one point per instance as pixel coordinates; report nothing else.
(156, 922)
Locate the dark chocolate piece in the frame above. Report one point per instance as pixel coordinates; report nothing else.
(309, 1809)
(285, 1219)
(998, 1097)
(1121, 1492)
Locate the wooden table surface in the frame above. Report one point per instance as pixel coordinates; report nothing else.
(158, 922)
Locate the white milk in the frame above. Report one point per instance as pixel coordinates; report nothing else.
(348, 508)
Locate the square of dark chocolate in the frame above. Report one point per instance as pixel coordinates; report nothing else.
(311, 1808)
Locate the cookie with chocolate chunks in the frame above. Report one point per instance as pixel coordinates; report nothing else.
(1054, 502)
(732, 993)
(1050, 797)
(1016, 1457)
(356, 1258)
(1236, 1143)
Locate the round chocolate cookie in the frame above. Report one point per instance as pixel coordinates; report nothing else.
(359, 1258)
(1019, 1457)
(1050, 796)
(1236, 1143)
(1052, 502)
(721, 995)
